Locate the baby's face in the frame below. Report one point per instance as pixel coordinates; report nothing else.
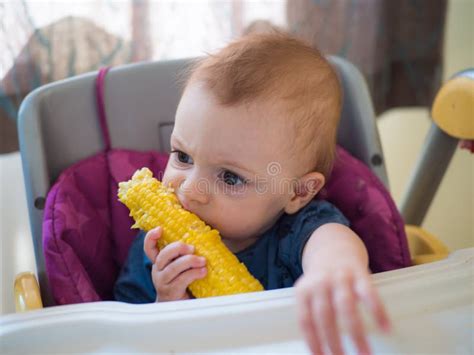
(231, 166)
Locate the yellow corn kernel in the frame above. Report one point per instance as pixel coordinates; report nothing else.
(152, 204)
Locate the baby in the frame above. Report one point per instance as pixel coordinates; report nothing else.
(253, 143)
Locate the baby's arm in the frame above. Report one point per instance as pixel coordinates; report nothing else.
(174, 267)
(335, 279)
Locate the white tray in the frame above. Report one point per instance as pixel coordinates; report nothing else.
(431, 307)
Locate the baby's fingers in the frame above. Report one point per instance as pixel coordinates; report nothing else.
(307, 323)
(345, 301)
(180, 265)
(371, 299)
(149, 244)
(182, 281)
(171, 252)
(324, 311)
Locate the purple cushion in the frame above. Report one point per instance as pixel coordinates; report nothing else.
(86, 230)
(367, 204)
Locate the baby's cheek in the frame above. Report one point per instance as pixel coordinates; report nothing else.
(251, 221)
(235, 222)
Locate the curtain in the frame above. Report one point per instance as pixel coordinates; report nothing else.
(48, 40)
(397, 44)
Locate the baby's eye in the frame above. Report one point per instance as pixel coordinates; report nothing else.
(182, 157)
(232, 179)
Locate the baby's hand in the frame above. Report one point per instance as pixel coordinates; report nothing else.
(174, 267)
(328, 295)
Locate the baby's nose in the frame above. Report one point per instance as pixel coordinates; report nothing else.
(194, 190)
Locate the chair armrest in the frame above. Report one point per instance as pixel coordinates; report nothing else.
(424, 247)
(452, 107)
(27, 292)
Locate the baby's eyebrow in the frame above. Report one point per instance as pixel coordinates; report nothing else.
(235, 164)
(176, 140)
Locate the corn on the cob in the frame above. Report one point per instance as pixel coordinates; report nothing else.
(152, 204)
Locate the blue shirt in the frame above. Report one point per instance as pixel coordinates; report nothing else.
(275, 259)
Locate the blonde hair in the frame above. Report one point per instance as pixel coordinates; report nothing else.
(277, 67)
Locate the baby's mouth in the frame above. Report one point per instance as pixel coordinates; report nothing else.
(224, 239)
(183, 202)
(185, 205)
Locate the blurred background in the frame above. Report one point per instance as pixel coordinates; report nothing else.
(405, 49)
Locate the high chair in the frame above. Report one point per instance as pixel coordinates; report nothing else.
(59, 127)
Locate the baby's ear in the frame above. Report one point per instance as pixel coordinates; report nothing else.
(304, 191)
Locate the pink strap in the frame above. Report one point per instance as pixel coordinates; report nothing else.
(99, 95)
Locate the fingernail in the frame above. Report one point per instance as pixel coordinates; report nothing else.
(202, 259)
